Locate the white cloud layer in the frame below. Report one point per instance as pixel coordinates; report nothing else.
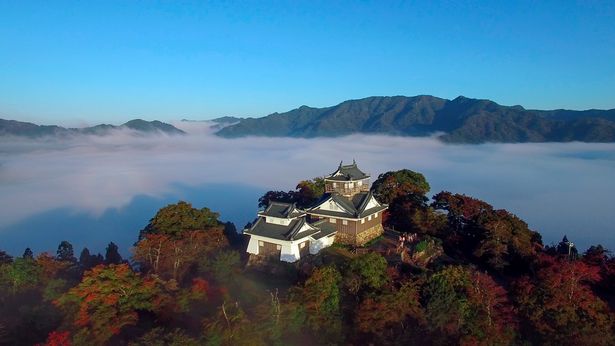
(557, 188)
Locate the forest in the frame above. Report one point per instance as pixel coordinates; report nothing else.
(473, 275)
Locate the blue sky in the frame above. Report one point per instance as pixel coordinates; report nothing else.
(111, 61)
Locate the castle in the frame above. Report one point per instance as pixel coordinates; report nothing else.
(347, 213)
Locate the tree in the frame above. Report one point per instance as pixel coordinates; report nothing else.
(19, 275)
(370, 270)
(65, 252)
(88, 261)
(27, 254)
(596, 255)
(5, 258)
(56, 338)
(107, 299)
(170, 257)
(175, 219)
(161, 337)
(112, 255)
(231, 326)
(388, 314)
(309, 191)
(467, 307)
(224, 266)
(447, 306)
(230, 231)
(277, 196)
(321, 300)
(560, 306)
(492, 320)
(391, 185)
(493, 237)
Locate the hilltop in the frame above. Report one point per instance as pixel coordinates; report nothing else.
(25, 129)
(462, 120)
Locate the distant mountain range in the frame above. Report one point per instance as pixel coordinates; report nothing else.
(24, 129)
(462, 120)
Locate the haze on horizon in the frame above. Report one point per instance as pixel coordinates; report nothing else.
(71, 63)
(92, 190)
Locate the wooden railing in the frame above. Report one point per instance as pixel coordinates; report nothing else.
(346, 191)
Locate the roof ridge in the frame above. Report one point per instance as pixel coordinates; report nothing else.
(365, 201)
(296, 228)
(345, 203)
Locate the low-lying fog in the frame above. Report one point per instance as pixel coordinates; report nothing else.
(92, 190)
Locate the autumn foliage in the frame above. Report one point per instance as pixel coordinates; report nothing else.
(488, 281)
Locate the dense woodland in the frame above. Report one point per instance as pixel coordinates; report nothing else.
(475, 275)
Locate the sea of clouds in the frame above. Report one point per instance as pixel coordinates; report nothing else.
(558, 188)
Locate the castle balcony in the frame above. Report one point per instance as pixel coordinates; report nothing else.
(346, 191)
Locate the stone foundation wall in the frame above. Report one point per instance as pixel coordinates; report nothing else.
(369, 234)
(345, 238)
(361, 238)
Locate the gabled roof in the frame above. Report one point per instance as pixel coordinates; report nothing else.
(282, 210)
(347, 173)
(326, 228)
(282, 232)
(352, 208)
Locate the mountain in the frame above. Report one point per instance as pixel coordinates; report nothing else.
(25, 129)
(462, 120)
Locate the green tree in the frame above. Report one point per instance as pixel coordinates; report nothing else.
(225, 265)
(28, 254)
(447, 308)
(321, 300)
(369, 269)
(20, 274)
(231, 326)
(391, 185)
(309, 191)
(174, 219)
(112, 254)
(65, 252)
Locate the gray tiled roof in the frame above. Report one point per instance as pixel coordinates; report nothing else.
(348, 172)
(290, 232)
(325, 227)
(353, 208)
(282, 210)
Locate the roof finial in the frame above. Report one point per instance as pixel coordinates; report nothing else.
(341, 163)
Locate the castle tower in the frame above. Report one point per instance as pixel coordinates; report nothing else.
(347, 180)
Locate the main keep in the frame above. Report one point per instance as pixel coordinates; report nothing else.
(347, 213)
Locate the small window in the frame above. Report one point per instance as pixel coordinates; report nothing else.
(332, 220)
(334, 185)
(278, 247)
(362, 220)
(375, 215)
(369, 218)
(360, 182)
(260, 243)
(344, 222)
(302, 245)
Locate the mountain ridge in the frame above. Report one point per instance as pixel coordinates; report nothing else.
(31, 130)
(463, 120)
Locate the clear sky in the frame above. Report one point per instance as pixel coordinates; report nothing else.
(110, 61)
